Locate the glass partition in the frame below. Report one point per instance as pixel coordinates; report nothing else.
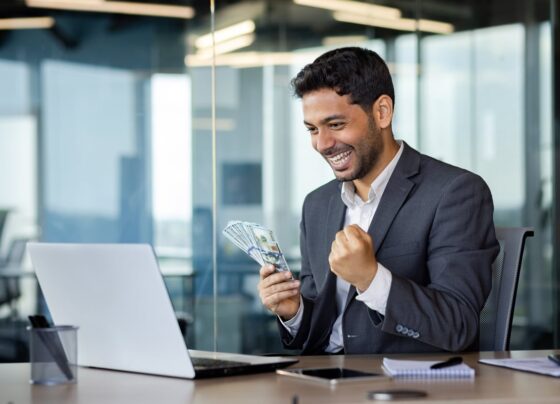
(96, 123)
(470, 90)
(110, 133)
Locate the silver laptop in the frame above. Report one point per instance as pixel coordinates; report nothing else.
(116, 295)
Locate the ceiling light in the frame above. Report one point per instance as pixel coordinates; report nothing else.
(402, 24)
(27, 23)
(343, 40)
(227, 46)
(253, 59)
(437, 27)
(225, 34)
(117, 7)
(355, 7)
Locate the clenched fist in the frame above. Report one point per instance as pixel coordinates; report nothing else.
(352, 257)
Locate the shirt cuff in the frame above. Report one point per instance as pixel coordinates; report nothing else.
(377, 294)
(292, 325)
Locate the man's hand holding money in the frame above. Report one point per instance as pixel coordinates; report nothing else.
(279, 292)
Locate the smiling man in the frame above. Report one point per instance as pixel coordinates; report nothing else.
(397, 250)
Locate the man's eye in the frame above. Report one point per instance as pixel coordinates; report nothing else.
(336, 125)
(311, 130)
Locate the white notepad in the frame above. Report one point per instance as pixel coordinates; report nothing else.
(421, 369)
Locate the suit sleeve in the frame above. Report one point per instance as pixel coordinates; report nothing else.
(460, 251)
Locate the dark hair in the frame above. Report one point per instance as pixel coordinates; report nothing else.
(357, 72)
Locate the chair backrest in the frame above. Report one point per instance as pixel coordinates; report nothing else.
(497, 315)
(16, 252)
(3, 217)
(10, 287)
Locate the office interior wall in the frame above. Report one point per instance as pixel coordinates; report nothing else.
(81, 134)
(98, 139)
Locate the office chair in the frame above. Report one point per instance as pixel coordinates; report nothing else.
(9, 286)
(13, 337)
(497, 315)
(3, 216)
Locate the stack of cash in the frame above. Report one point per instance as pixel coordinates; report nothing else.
(256, 241)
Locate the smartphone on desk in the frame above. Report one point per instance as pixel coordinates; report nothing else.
(332, 376)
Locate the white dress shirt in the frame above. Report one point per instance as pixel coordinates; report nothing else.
(361, 213)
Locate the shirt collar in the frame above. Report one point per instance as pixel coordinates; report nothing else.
(348, 191)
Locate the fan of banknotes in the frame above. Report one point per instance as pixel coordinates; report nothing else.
(257, 242)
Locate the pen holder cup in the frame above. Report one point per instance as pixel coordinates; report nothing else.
(53, 354)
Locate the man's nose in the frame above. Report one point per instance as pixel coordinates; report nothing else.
(324, 141)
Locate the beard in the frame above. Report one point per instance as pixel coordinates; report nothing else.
(366, 154)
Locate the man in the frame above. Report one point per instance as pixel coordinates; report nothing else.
(397, 251)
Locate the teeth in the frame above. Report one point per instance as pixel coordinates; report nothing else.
(340, 157)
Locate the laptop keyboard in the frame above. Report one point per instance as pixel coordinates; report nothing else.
(208, 363)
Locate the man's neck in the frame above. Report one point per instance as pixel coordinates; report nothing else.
(363, 185)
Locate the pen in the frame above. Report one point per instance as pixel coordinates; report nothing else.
(554, 358)
(455, 360)
(53, 345)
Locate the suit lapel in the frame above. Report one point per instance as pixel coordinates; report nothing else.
(335, 216)
(335, 221)
(395, 194)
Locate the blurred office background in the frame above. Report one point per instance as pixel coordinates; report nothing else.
(106, 136)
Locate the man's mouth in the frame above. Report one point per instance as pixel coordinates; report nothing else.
(340, 160)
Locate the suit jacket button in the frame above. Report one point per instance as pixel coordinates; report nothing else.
(399, 328)
(415, 335)
(404, 330)
(410, 333)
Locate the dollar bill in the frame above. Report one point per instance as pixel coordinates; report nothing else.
(256, 241)
(268, 247)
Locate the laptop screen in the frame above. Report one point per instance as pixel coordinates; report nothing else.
(115, 294)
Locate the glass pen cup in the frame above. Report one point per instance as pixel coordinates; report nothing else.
(53, 354)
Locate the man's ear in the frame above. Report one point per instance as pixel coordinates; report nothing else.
(383, 111)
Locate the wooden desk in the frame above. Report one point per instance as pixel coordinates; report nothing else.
(491, 385)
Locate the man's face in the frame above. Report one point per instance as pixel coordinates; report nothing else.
(343, 133)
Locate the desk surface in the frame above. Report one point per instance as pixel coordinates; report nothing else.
(491, 385)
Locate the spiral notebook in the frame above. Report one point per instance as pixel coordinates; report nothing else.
(421, 369)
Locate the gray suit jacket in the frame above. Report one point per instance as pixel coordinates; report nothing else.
(434, 231)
